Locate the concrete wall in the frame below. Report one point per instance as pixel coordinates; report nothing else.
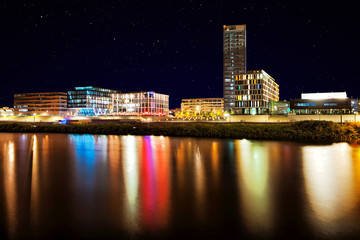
(233, 118)
(293, 118)
(31, 119)
(52, 119)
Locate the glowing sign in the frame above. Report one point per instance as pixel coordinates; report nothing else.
(328, 95)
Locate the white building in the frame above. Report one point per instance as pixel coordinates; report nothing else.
(202, 105)
(140, 103)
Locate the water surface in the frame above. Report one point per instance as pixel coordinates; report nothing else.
(97, 186)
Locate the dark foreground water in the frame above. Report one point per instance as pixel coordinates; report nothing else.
(95, 186)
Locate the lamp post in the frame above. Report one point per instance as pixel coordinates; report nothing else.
(341, 116)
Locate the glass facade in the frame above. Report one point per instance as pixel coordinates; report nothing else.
(234, 61)
(97, 100)
(140, 103)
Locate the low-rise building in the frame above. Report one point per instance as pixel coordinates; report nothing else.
(45, 103)
(324, 103)
(140, 103)
(198, 106)
(254, 91)
(6, 111)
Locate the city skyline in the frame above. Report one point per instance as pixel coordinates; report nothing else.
(177, 47)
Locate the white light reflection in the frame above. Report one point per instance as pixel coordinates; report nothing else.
(131, 180)
(329, 184)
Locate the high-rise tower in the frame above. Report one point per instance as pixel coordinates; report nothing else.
(234, 61)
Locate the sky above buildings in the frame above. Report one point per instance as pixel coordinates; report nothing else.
(174, 47)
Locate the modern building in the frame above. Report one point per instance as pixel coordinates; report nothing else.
(279, 108)
(46, 103)
(140, 103)
(234, 60)
(324, 103)
(198, 106)
(90, 101)
(254, 91)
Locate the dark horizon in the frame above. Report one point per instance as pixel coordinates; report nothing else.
(173, 48)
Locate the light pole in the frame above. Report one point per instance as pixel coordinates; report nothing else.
(341, 116)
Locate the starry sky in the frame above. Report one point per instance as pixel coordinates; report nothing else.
(174, 47)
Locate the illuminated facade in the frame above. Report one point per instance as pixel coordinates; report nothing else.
(254, 91)
(140, 103)
(6, 111)
(47, 103)
(202, 105)
(324, 103)
(234, 61)
(279, 108)
(90, 101)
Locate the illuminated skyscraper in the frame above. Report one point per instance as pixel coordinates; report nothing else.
(234, 61)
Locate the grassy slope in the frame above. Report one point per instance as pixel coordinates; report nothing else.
(299, 131)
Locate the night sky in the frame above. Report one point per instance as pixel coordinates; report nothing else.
(174, 47)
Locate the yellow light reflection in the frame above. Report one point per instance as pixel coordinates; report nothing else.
(180, 166)
(10, 187)
(329, 183)
(356, 168)
(252, 163)
(115, 174)
(200, 184)
(44, 156)
(215, 164)
(35, 185)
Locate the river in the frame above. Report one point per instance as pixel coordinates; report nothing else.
(107, 186)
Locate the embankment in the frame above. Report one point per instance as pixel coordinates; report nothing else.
(312, 131)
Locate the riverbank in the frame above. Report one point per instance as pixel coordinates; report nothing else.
(312, 131)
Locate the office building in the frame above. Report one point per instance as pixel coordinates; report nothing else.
(234, 60)
(140, 103)
(46, 103)
(324, 103)
(254, 91)
(90, 101)
(198, 106)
